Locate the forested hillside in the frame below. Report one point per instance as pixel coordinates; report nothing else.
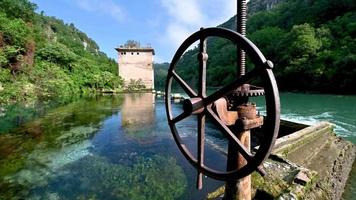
(312, 44)
(160, 74)
(41, 57)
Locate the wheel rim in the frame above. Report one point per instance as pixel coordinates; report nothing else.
(262, 70)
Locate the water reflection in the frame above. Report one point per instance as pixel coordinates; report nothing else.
(138, 109)
(113, 147)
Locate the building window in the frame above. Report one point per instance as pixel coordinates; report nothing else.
(138, 53)
(131, 53)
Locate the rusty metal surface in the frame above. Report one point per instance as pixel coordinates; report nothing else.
(202, 58)
(233, 188)
(262, 70)
(248, 90)
(248, 124)
(220, 107)
(247, 110)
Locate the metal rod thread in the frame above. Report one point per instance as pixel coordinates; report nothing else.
(241, 19)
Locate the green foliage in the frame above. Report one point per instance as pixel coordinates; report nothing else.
(66, 61)
(14, 31)
(107, 80)
(9, 54)
(311, 43)
(132, 44)
(135, 85)
(160, 74)
(56, 53)
(14, 34)
(267, 38)
(22, 9)
(5, 75)
(52, 81)
(303, 41)
(19, 89)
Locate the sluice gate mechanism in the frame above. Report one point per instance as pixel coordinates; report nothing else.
(228, 108)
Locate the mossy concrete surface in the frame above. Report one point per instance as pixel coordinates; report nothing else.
(312, 163)
(318, 148)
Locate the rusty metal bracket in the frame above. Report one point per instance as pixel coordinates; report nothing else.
(248, 124)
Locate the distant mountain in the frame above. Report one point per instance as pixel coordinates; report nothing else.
(255, 6)
(160, 74)
(311, 42)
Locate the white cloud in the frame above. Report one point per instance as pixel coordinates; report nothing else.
(187, 16)
(107, 7)
(228, 9)
(186, 12)
(177, 33)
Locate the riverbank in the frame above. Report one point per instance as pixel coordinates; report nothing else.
(312, 163)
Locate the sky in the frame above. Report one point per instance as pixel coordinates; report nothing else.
(164, 24)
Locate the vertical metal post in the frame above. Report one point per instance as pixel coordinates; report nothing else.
(240, 189)
(244, 184)
(202, 57)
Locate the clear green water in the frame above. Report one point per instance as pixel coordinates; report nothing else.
(113, 147)
(311, 108)
(120, 147)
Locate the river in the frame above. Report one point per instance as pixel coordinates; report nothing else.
(120, 147)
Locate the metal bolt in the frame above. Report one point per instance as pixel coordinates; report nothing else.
(269, 64)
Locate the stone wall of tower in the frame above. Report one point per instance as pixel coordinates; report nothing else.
(136, 64)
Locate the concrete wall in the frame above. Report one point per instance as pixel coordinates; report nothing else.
(137, 65)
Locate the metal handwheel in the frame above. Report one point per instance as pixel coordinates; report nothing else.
(201, 105)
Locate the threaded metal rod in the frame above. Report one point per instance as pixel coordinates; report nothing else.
(241, 189)
(241, 28)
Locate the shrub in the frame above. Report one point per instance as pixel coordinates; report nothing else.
(57, 53)
(15, 32)
(135, 85)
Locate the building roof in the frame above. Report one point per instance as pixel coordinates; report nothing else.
(125, 49)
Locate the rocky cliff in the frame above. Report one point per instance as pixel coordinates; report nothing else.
(260, 5)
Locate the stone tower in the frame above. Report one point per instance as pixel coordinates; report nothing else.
(136, 63)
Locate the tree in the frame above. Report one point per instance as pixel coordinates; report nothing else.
(22, 9)
(132, 44)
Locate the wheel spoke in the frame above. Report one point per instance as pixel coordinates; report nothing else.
(202, 57)
(232, 86)
(201, 139)
(227, 132)
(184, 85)
(180, 117)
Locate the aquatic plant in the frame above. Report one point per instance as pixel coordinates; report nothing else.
(155, 177)
(75, 135)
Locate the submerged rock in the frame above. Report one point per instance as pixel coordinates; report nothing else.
(41, 166)
(57, 159)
